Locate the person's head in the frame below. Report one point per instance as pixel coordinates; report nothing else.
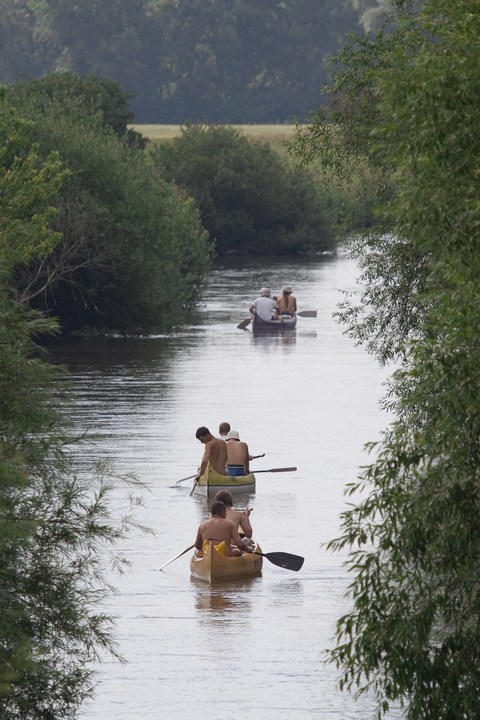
(225, 497)
(224, 428)
(265, 292)
(218, 509)
(287, 290)
(233, 435)
(203, 434)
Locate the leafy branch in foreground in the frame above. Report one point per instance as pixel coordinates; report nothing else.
(412, 636)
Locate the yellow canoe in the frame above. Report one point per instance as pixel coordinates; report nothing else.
(214, 567)
(211, 482)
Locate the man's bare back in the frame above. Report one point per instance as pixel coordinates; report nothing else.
(237, 453)
(241, 520)
(218, 529)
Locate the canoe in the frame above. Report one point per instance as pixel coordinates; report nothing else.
(215, 567)
(211, 482)
(283, 323)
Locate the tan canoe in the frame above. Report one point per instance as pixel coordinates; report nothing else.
(214, 567)
(211, 482)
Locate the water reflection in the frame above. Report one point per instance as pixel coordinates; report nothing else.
(274, 339)
(223, 602)
(288, 591)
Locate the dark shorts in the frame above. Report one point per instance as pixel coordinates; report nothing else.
(235, 470)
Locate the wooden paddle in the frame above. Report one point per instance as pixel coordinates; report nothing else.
(177, 556)
(190, 477)
(286, 469)
(244, 323)
(194, 486)
(283, 559)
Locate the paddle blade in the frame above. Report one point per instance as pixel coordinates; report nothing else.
(284, 560)
(244, 323)
(307, 313)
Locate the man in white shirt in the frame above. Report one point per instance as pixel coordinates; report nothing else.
(264, 306)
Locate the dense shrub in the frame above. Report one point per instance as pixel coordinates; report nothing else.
(251, 201)
(133, 252)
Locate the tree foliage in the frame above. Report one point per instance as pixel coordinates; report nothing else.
(413, 633)
(251, 201)
(83, 96)
(55, 528)
(199, 60)
(132, 254)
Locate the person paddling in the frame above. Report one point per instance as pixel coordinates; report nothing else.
(215, 452)
(240, 518)
(222, 532)
(264, 306)
(287, 303)
(238, 456)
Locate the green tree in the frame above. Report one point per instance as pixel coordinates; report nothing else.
(83, 96)
(202, 60)
(413, 634)
(55, 527)
(251, 201)
(133, 253)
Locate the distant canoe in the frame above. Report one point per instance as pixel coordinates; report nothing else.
(283, 323)
(211, 482)
(214, 567)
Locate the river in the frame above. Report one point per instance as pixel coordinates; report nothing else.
(310, 399)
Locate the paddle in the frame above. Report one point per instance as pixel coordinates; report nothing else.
(190, 477)
(284, 560)
(177, 556)
(244, 323)
(194, 486)
(286, 469)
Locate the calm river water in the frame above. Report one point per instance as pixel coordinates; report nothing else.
(310, 399)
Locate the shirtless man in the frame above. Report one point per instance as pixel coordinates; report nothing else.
(240, 518)
(238, 457)
(287, 303)
(221, 531)
(215, 452)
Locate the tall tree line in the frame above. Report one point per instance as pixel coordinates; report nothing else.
(226, 61)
